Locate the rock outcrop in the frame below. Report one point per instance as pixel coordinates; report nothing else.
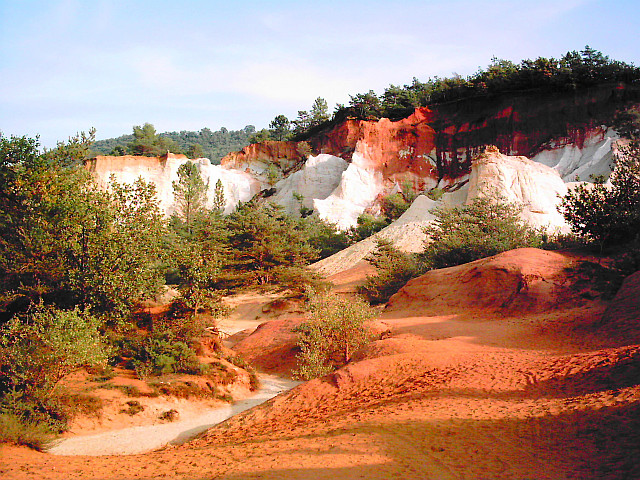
(515, 179)
(518, 281)
(347, 168)
(239, 186)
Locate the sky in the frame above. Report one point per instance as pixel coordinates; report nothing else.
(69, 65)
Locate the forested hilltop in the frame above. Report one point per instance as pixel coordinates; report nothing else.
(205, 143)
(572, 72)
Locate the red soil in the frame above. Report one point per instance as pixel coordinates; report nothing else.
(491, 370)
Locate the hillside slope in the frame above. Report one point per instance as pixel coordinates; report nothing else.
(539, 387)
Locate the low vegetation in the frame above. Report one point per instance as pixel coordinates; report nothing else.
(336, 329)
(460, 234)
(487, 226)
(608, 214)
(394, 269)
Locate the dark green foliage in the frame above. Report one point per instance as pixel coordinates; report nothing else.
(324, 237)
(39, 349)
(394, 269)
(394, 205)
(36, 352)
(367, 225)
(267, 244)
(214, 145)
(198, 244)
(335, 330)
(195, 151)
(148, 143)
(65, 242)
(190, 193)
(260, 136)
(280, 128)
(309, 120)
(608, 214)
(484, 228)
(572, 71)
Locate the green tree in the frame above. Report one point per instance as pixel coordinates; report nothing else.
(608, 214)
(336, 329)
(40, 349)
(486, 227)
(148, 143)
(200, 257)
(267, 244)
(190, 194)
(195, 151)
(393, 270)
(280, 128)
(64, 241)
(319, 112)
(261, 136)
(219, 201)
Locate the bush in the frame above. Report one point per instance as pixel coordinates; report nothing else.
(486, 227)
(14, 429)
(367, 226)
(161, 353)
(394, 269)
(38, 350)
(608, 214)
(335, 331)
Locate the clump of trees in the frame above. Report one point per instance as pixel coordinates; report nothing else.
(487, 226)
(336, 329)
(204, 143)
(394, 269)
(572, 71)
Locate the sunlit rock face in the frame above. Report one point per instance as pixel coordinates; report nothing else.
(315, 181)
(515, 179)
(162, 171)
(348, 168)
(522, 181)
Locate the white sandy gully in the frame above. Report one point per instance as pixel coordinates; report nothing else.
(141, 439)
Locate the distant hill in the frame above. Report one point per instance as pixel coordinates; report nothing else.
(214, 145)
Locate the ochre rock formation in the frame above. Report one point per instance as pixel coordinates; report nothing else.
(536, 187)
(517, 281)
(162, 172)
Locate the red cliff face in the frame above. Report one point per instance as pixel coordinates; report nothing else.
(439, 142)
(285, 154)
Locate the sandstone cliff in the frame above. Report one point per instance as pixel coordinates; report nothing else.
(346, 169)
(239, 186)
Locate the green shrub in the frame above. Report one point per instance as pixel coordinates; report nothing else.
(486, 227)
(334, 332)
(161, 353)
(367, 225)
(16, 430)
(394, 205)
(394, 269)
(40, 349)
(608, 214)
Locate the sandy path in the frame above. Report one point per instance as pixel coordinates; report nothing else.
(134, 440)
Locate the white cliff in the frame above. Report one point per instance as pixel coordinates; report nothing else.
(238, 186)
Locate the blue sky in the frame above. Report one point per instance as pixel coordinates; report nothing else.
(69, 65)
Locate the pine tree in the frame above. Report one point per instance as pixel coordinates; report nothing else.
(190, 193)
